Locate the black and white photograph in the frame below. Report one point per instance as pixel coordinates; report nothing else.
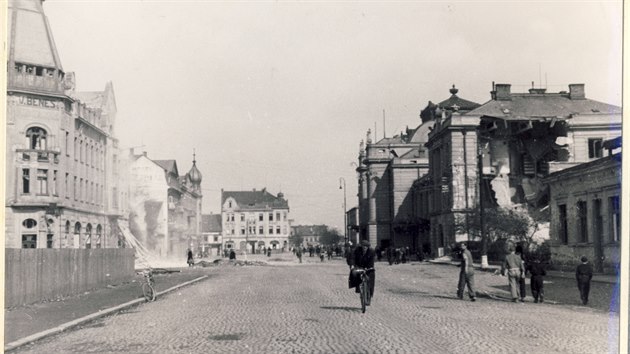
(201, 176)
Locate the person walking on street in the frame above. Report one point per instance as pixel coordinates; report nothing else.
(583, 275)
(537, 271)
(298, 253)
(466, 274)
(513, 264)
(232, 253)
(190, 259)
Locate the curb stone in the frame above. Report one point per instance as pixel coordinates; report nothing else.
(79, 321)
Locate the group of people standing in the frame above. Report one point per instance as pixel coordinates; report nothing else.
(516, 269)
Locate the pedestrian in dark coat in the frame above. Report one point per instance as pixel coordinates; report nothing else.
(268, 251)
(298, 253)
(190, 259)
(536, 271)
(232, 254)
(583, 275)
(390, 255)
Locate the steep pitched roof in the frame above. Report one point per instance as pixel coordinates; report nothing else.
(30, 38)
(255, 199)
(169, 165)
(526, 105)
(460, 103)
(211, 223)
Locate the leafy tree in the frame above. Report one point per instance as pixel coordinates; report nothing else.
(330, 237)
(296, 239)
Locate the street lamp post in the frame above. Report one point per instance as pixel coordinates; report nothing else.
(345, 216)
(482, 226)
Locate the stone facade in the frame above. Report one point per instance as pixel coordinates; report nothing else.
(585, 214)
(62, 186)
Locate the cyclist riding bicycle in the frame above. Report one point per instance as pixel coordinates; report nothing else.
(363, 259)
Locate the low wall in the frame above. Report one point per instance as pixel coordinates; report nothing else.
(33, 275)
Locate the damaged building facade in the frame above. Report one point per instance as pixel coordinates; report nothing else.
(165, 208)
(499, 154)
(62, 183)
(387, 170)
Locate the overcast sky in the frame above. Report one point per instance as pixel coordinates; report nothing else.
(279, 94)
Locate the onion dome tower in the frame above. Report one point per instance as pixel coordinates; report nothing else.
(195, 175)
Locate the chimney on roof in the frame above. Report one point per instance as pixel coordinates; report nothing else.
(503, 92)
(576, 92)
(144, 153)
(254, 189)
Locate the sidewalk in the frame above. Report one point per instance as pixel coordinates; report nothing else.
(28, 323)
(598, 277)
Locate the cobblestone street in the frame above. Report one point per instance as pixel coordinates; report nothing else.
(286, 307)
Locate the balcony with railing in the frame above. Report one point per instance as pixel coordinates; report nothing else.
(44, 156)
(35, 78)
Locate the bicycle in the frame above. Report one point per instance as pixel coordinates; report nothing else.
(364, 288)
(148, 291)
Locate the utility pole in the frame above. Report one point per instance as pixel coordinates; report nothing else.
(345, 211)
(484, 241)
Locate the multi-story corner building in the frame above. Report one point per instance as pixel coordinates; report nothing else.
(500, 152)
(212, 240)
(387, 171)
(61, 172)
(254, 219)
(586, 212)
(165, 208)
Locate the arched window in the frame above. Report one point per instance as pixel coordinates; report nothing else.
(66, 234)
(36, 138)
(77, 235)
(88, 236)
(99, 231)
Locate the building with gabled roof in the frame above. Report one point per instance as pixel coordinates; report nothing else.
(165, 208)
(254, 219)
(63, 184)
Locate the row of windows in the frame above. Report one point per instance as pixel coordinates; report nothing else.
(582, 227)
(90, 235)
(261, 231)
(82, 190)
(261, 216)
(85, 152)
